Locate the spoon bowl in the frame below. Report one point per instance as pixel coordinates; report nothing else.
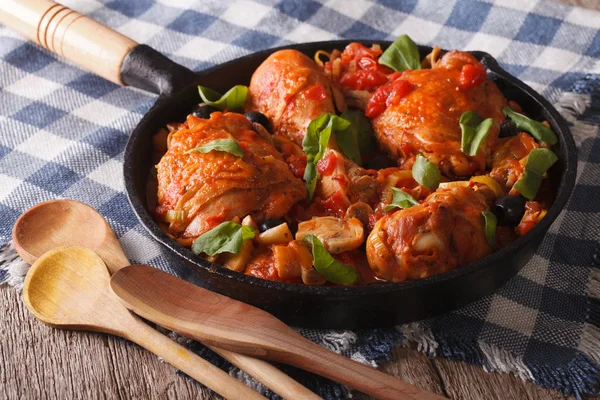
(68, 288)
(56, 223)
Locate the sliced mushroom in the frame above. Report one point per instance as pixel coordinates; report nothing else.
(337, 234)
(361, 211)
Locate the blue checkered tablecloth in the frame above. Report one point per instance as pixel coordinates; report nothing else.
(63, 130)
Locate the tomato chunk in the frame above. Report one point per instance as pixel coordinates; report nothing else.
(326, 165)
(471, 76)
(387, 95)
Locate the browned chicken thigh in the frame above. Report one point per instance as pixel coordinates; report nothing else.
(213, 187)
(422, 114)
(291, 91)
(442, 233)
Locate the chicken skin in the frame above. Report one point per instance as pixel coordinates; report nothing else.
(507, 156)
(291, 90)
(438, 235)
(217, 186)
(421, 112)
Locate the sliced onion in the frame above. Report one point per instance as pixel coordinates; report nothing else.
(175, 216)
(319, 53)
(490, 182)
(379, 247)
(450, 185)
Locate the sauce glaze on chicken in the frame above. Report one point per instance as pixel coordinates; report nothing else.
(415, 112)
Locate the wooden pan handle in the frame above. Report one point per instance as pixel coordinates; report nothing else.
(65, 32)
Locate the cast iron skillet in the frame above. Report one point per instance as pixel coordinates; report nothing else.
(344, 307)
(123, 61)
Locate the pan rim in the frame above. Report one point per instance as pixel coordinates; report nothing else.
(564, 191)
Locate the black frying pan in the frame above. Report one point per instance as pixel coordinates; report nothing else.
(381, 304)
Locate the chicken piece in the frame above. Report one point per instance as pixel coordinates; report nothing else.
(341, 175)
(421, 110)
(291, 90)
(444, 232)
(210, 188)
(506, 165)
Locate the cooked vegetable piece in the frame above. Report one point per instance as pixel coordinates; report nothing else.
(331, 269)
(260, 118)
(535, 128)
(277, 235)
(315, 142)
(226, 237)
(175, 216)
(337, 234)
(509, 209)
(490, 182)
(347, 141)
(203, 111)
(362, 129)
(426, 173)
(401, 199)
(538, 162)
(232, 100)
(490, 227)
(237, 262)
(474, 131)
(226, 145)
(402, 55)
(269, 223)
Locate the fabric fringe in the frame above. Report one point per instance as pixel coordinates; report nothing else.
(581, 377)
(12, 267)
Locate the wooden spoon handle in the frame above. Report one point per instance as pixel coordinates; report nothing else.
(268, 374)
(188, 362)
(310, 356)
(65, 32)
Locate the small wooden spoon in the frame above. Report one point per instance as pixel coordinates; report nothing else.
(221, 321)
(68, 288)
(69, 222)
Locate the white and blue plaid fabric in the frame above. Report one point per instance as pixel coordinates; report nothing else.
(63, 130)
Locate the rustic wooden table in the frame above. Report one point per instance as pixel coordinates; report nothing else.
(40, 362)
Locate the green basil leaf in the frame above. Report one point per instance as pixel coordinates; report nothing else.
(330, 268)
(232, 100)
(535, 128)
(227, 237)
(363, 130)
(226, 145)
(474, 131)
(248, 232)
(426, 173)
(347, 140)
(315, 142)
(400, 199)
(403, 54)
(490, 227)
(538, 162)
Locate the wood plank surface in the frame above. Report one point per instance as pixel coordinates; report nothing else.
(37, 362)
(41, 362)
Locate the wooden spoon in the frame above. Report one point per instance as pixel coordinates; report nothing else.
(68, 288)
(221, 321)
(68, 222)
